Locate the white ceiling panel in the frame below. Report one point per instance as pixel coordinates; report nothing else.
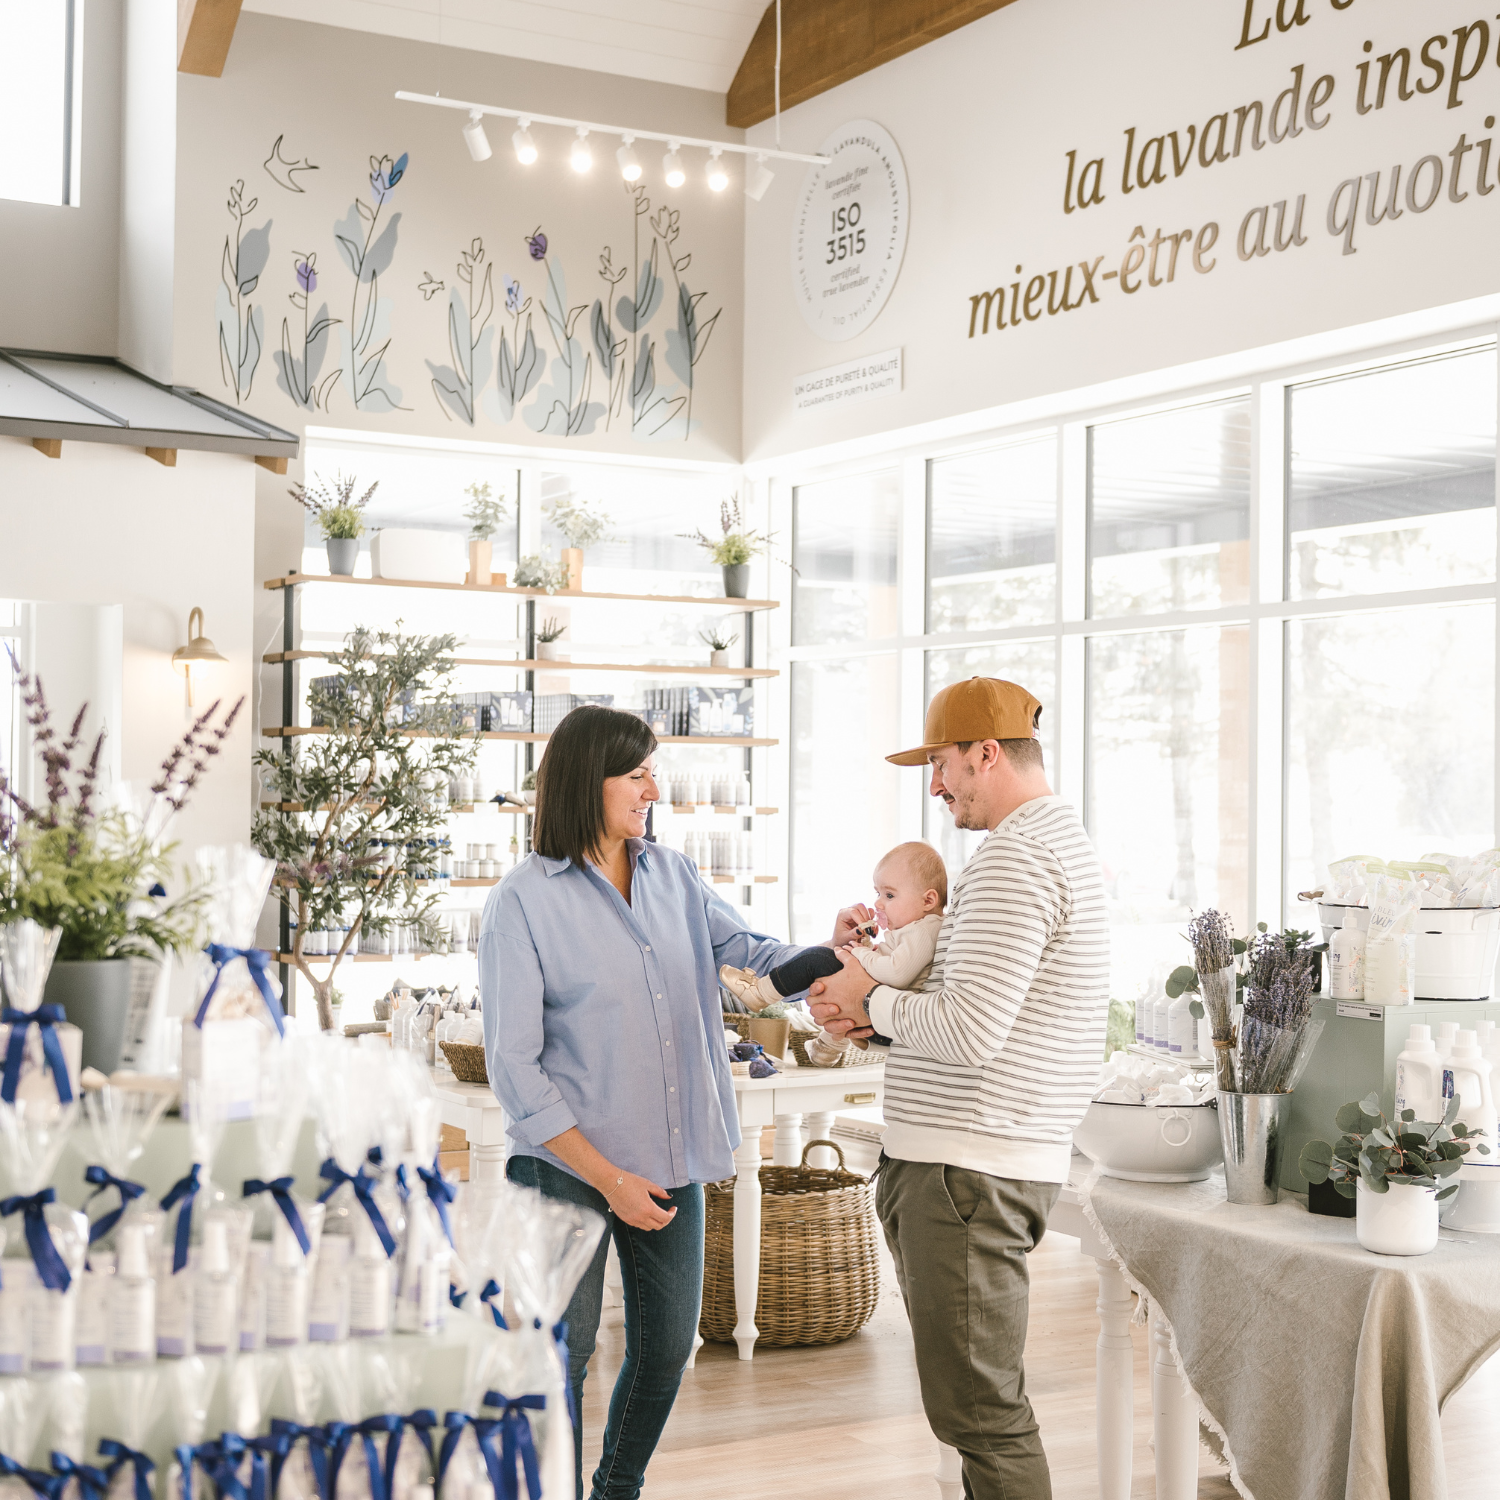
(694, 43)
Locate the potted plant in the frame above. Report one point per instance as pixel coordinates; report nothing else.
(581, 527)
(528, 789)
(718, 644)
(484, 515)
(733, 550)
(100, 876)
(1396, 1171)
(536, 571)
(392, 727)
(548, 633)
(340, 517)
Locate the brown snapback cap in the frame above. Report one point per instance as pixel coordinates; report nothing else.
(983, 708)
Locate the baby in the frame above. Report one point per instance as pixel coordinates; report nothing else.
(911, 890)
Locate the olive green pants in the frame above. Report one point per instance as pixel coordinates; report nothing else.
(960, 1241)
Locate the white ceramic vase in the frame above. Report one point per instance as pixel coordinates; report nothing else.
(1403, 1220)
(549, 651)
(718, 658)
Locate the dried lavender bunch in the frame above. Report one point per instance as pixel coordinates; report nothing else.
(1212, 937)
(197, 747)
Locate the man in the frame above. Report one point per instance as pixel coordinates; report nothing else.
(991, 1066)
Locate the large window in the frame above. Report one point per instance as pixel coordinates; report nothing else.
(39, 69)
(1261, 621)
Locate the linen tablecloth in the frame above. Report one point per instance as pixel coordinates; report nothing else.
(1324, 1366)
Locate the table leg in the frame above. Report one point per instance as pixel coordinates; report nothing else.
(692, 1359)
(950, 1473)
(746, 1241)
(787, 1148)
(487, 1163)
(1113, 1384)
(614, 1286)
(820, 1128)
(1174, 1419)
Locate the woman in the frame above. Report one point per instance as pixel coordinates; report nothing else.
(598, 958)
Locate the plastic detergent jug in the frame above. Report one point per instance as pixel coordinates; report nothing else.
(1346, 960)
(1471, 1082)
(1419, 1076)
(1445, 1034)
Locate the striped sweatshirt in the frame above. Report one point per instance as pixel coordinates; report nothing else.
(994, 1060)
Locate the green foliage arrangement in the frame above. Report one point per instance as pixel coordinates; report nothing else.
(339, 515)
(576, 521)
(538, 572)
(392, 739)
(737, 544)
(714, 638)
(549, 630)
(101, 874)
(483, 513)
(1378, 1153)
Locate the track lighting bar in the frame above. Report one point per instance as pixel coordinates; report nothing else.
(591, 127)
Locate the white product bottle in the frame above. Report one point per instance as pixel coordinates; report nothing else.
(252, 1299)
(369, 1283)
(1419, 1076)
(1145, 1006)
(132, 1301)
(216, 1322)
(91, 1327)
(1161, 1023)
(1182, 1027)
(1472, 1085)
(1346, 960)
(286, 1289)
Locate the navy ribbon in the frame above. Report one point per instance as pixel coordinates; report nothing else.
(402, 1185)
(221, 1462)
(288, 1433)
(46, 1486)
(453, 1430)
(440, 1192)
(364, 1189)
(183, 1191)
(382, 1480)
(422, 1421)
(487, 1296)
(47, 1017)
(560, 1345)
(258, 961)
(112, 1448)
(281, 1191)
(516, 1442)
(102, 1179)
(49, 1264)
(92, 1482)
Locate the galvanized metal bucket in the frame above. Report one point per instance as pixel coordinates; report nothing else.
(1253, 1128)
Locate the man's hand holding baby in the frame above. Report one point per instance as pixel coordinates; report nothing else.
(838, 1002)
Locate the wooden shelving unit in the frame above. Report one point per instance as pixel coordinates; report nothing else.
(561, 596)
(516, 736)
(637, 669)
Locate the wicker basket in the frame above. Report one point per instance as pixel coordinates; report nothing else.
(851, 1057)
(467, 1061)
(819, 1257)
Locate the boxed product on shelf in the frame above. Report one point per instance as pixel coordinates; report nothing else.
(720, 711)
(550, 709)
(508, 710)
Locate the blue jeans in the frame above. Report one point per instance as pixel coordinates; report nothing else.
(662, 1274)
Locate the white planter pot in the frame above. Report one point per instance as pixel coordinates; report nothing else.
(718, 658)
(418, 556)
(549, 651)
(1403, 1220)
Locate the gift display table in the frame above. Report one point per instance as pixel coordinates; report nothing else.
(1324, 1366)
(473, 1109)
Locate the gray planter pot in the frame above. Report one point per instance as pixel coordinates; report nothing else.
(343, 553)
(737, 581)
(95, 997)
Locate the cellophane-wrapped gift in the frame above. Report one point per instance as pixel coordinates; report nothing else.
(41, 1051)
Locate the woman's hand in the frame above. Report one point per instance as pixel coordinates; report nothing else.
(631, 1198)
(846, 927)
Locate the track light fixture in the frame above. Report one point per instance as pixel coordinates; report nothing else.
(581, 156)
(718, 178)
(475, 138)
(630, 163)
(671, 167)
(522, 141)
(758, 179)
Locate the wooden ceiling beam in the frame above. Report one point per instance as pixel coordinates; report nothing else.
(205, 28)
(828, 42)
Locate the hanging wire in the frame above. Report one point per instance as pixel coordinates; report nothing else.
(778, 73)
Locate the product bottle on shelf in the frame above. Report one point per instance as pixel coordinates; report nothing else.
(1472, 1084)
(132, 1301)
(1346, 960)
(286, 1289)
(1419, 1076)
(215, 1294)
(370, 1290)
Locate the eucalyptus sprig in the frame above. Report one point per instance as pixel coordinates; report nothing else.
(1380, 1154)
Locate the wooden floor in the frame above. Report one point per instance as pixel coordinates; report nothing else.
(845, 1422)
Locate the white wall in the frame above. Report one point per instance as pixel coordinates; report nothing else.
(984, 118)
(107, 525)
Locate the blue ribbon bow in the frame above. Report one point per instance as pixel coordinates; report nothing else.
(49, 1264)
(560, 1346)
(516, 1441)
(183, 1191)
(422, 1421)
(112, 1448)
(394, 1426)
(402, 1185)
(103, 1179)
(220, 1460)
(453, 1430)
(382, 1480)
(288, 1433)
(440, 1193)
(364, 1189)
(281, 1191)
(45, 1486)
(47, 1018)
(258, 961)
(92, 1482)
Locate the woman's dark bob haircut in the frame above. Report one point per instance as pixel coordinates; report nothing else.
(590, 744)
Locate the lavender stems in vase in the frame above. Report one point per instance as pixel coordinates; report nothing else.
(1213, 956)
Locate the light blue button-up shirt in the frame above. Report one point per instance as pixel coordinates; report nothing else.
(605, 1014)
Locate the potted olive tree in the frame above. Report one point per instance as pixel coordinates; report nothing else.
(484, 515)
(1394, 1171)
(97, 875)
(339, 516)
(581, 528)
(733, 549)
(350, 802)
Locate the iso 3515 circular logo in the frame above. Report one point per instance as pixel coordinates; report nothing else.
(850, 231)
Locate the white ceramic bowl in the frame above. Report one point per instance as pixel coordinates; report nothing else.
(1151, 1143)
